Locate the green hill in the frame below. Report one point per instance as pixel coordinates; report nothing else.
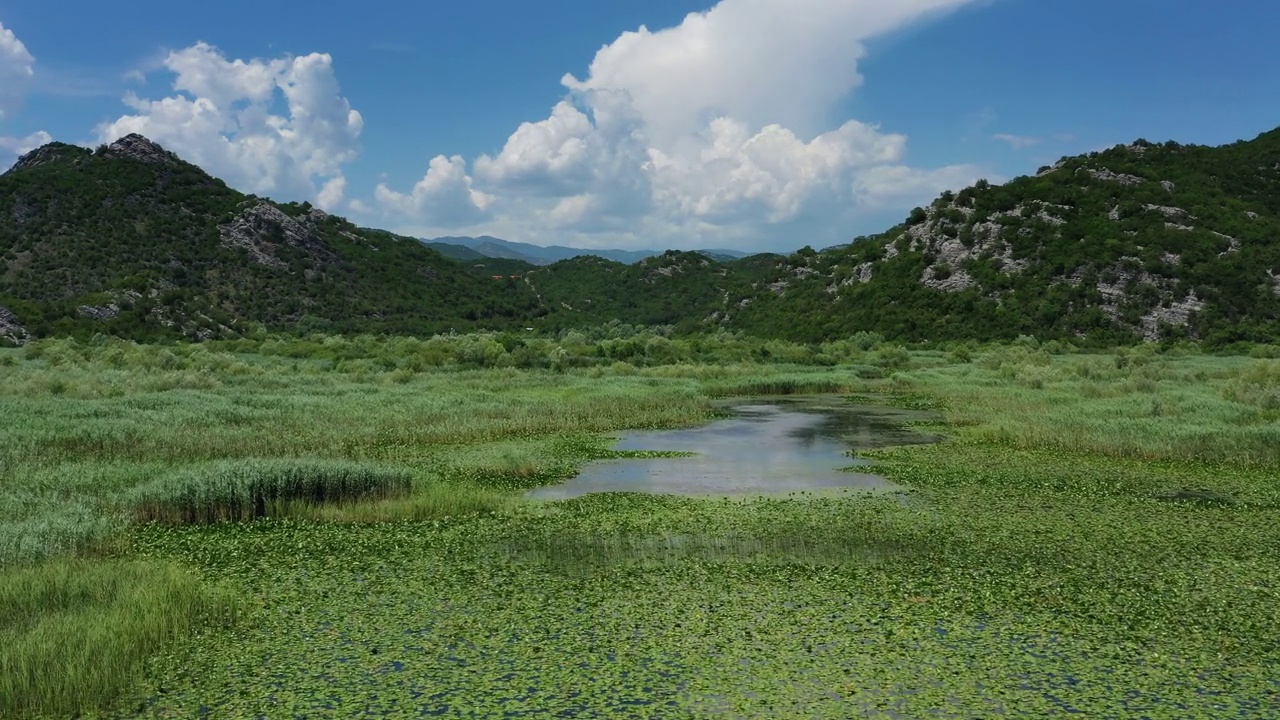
(1142, 241)
(131, 240)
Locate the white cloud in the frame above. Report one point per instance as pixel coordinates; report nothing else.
(278, 127)
(886, 185)
(444, 196)
(1017, 142)
(17, 67)
(549, 151)
(714, 129)
(330, 196)
(757, 61)
(21, 146)
(770, 175)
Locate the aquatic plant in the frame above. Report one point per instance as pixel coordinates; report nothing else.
(249, 489)
(1096, 536)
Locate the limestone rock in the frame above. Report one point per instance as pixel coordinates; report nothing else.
(1173, 213)
(1177, 314)
(136, 147)
(1106, 175)
(956, 281)
(10, 329)
(40, 156)
(261, 228)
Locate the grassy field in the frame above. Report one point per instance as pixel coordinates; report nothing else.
(334, 528)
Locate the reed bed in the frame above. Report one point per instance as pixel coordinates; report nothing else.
(249, 489)
(75, 633)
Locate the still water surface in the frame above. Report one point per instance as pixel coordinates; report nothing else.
(764, 447)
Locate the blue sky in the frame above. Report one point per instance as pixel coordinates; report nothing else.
(756, 124)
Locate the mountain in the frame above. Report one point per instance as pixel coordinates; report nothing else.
(479, 263)
(131, 240)
(457, 252)
(545, 255)
(1142, 241)
(1139, 242)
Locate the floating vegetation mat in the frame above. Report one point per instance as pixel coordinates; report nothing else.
(1099, 537)
(640, 606)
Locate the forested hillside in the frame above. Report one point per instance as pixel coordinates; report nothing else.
(131, 240)
(1140, 242)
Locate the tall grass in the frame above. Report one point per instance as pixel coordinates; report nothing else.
(249, 489)
(73, 633)
(1128, 405)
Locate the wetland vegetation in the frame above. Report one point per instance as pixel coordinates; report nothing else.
(336, 526)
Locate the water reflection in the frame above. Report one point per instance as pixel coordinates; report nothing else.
(764, 447)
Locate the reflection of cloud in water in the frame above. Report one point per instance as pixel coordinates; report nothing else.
(774, 448)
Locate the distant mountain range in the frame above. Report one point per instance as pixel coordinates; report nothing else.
(470, 248)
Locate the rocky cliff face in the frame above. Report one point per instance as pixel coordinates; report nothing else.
(137, 147)
(261, 228)
(45, 154)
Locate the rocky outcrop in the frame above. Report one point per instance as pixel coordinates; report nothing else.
(11, 330)
(1176, 314)
(98, 312)
(1106, 175)
(1117, 286)
(947, 280)
(940, 237)
(262, 228)
(45, 154)
(1173, 213)
(137, 147)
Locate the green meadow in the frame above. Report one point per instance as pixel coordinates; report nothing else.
(336, 527)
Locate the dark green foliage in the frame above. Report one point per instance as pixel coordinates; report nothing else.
(1141, 241)
(112, 243)
(1162, 224)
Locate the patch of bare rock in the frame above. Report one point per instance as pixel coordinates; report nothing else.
(136, 147)
(10, 329)
(1106, 175)
(261, 228)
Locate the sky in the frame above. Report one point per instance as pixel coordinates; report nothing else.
(757, 125)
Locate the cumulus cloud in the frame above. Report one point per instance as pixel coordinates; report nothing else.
(757, 61)
(445, 194)
(278, 126)
(715, 128)
(23, 145)
(17, 67)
